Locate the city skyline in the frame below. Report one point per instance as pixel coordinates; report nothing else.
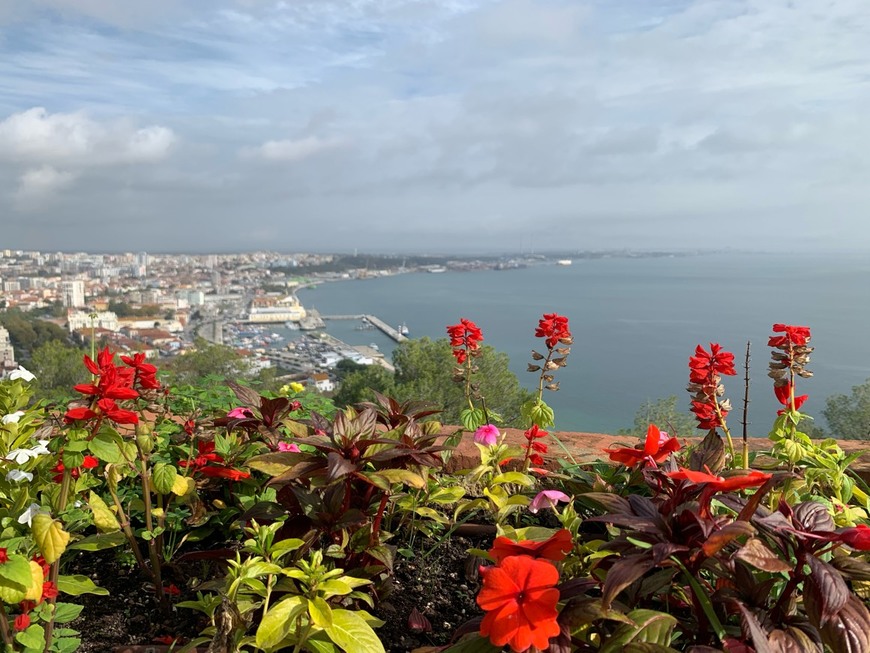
(461, 126)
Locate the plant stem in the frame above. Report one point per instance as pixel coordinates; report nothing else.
(153, 553)
(4, 627)
(746, 409)
(66, 482)
(128, 532)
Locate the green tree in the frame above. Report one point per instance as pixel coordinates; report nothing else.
(27, 332)
(665, 414)
(58, 367)
(360, 382)
(208, 359)
(848, 416)
(424, 371)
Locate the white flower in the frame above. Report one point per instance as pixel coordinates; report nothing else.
(12, 418)
(23, 374)
(40, 448)
(27, 516)
(17, 475)
(20, 456)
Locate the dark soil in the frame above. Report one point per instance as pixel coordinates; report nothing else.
(441, 586)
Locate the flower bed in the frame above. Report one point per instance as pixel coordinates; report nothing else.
(260, 525)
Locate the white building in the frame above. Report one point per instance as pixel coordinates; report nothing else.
(82, 320)
(73, 293)
(7, 353)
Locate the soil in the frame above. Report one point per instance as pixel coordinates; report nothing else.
(441, 586)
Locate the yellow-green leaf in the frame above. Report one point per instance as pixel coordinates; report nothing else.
(353, 634)
(277, 623)
(104, 519)
(163, 478)
(320, 612)
(34, 590)
(49, 536)
(182, 485)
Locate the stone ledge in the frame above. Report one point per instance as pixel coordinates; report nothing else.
(588, 447)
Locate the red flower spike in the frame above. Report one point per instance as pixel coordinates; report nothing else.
(554, 548)
(554, 328)
(465, 337)
(703, 365)
(535, 432)
(519, 597)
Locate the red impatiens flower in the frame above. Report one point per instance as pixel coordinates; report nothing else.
(519, 597)
(858, 537)
(22, 622)
(88, 463)
(553, 548)
(49, 590)
(465, 338)
(554, 328)
(656, 449)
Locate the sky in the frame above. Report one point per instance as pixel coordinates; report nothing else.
(427, 126)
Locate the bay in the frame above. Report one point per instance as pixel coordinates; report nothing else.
(635, 322)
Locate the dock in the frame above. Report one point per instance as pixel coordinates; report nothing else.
(389, 331)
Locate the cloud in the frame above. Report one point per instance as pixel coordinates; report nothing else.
(35, 135)
(37, 186)
(292, 150)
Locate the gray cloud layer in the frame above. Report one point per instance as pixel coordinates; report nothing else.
(434, 124)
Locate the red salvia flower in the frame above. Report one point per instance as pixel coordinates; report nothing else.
(519, 597)
(465, 338)
(49, 591)
(705, 370)
(858, 537)
(554, 328)
(783, 392)
(553, 548)
(795, 335)
(146, 373)
(656, 449)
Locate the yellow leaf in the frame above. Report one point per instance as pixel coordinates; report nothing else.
(182, 485)
(104, 519)
(34, 592)
(49, 536)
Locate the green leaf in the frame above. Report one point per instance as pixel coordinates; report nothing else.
(649, 626)
(49, 537)
(446, 495)
(320, 612)
(472, 419)
(334, 587)
(15, 579)
(106, 446)
(78, 585)
(66, 612)
(163, 478)
(275, 464)
(405, 476)
(538, 412)
(279, 621)
(66, 644)
(33, 637)
(353, 634)
(99, 542)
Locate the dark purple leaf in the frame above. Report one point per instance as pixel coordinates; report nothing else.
(575, 587)
(639, 524)
(338, 466)
(851, 568)
(664, 550)
(753, 629)
(825, 592)
(793, 640)
(849, 630)
(622, 574)
(813, 517)
(756, 553)
(728, 533)
(246, 396)
(613, 503)
(585, 610)
(643, 507)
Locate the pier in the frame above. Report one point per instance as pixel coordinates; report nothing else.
(389, 331)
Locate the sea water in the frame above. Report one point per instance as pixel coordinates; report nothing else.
(635, 322)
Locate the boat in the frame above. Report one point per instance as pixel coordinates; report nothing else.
(437, 270)
(403, 329)
(564, 261)
(293, 326)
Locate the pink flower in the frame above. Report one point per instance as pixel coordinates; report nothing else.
(487, 435)
(547, 499)
(288, 446)
(240, 413)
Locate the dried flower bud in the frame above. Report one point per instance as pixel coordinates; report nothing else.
(536, 356)
(553, 386)
(533, 368)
